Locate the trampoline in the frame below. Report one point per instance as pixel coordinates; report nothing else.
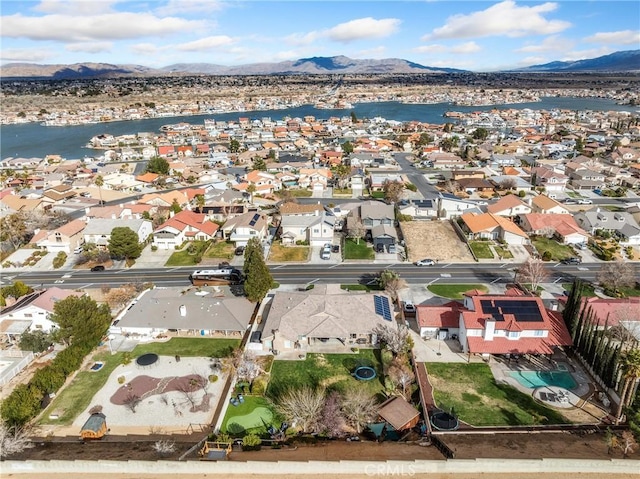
(364, 373)
(443, 421)
(147, 359)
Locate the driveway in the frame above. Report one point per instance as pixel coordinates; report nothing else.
(152, 259)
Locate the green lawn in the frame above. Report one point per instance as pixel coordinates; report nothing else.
(557, 251)
(353, 250)
(76, 397)
(248, 413)
(454, 291)
(331, 371)
(295, 192)
(342, 191)
(503, 251)
(377, 194)
(481, 249)
(189, 255)
(477, 399)
(221, 250)
(588, 291)
(199, 347)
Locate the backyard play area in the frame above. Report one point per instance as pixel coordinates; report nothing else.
(153, 385)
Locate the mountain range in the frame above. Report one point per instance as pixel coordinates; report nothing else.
(625, 61)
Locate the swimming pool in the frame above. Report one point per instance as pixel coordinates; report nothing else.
(537, 379)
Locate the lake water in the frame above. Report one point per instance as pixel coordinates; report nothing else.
(33, 140)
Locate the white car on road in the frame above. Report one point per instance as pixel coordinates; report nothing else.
(425, 262)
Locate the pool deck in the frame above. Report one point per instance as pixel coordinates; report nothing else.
(552, 396)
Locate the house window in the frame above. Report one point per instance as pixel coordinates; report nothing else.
(28, 315)
(538, 332)
(353, 336)
(38, 326)
(513, 335)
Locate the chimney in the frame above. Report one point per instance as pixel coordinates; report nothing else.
(183, 310)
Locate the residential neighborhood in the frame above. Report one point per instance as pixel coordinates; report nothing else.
(419, 282)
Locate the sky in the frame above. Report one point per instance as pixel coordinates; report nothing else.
(471, 35)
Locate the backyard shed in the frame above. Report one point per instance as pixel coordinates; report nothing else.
(399, 413)
(95, 427)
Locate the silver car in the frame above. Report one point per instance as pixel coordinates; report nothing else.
(425, 262)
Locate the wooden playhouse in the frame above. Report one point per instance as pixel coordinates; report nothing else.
(95, 427)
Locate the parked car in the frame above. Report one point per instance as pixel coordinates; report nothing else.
(335, 248)
(409, 307)
(570, 201)
(573, 260)
(425, 262)
(379, 248)
(78, 250)
(325, 253)
(585, 201)
(392, 249)
(239, 251)
(98, 268)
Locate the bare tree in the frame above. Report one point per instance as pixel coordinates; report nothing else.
(13, 440)
(132, 401)
(248, 369)
(401, 376)
(118, 297)
(302, 407)
(616, 275)
(359, 408)
(547, 231)
(331, 419)
(533, 272)
(508, 183)
(164, 447)
(187, 392)
(392, 190)
(356, 230)
(392, 283)
(627, 443)
(395, 338)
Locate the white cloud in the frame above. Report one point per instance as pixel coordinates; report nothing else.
(108, 26)
(376, 52)
(76, 7)
(144, 49)
(434, 48)
(505, 18)
(623, 37)
(459, 49)
(174, 7)
(363, 28)
(586, 54)
(465, 48)
(91, 47)
(553, 43)
(204, 44)
(359, 29)
(25, 55)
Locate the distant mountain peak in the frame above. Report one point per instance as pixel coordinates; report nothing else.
(628, 60)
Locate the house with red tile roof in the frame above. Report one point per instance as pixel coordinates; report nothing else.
(490, 226)
(148, 177)
(183, 226)
(496, 324)
(563, 227)
(614, 312)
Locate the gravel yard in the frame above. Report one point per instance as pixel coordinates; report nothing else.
(436, 240)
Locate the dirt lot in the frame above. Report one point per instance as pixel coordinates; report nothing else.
(466, 446)
(436, 240)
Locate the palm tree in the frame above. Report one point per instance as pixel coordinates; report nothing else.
(630, 367)
(99, 182)
(251, 189)
(200, 201)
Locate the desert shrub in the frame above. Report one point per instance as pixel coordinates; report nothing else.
(213, 378)
(251, 442)
(154, 248)
(259, 386)
(121, 379)
(60, 260)
(546, 256)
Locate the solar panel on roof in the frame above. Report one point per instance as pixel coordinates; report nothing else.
(381, 304)
(523, 310)
(255, 218)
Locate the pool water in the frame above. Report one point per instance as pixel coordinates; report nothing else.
(537, 379)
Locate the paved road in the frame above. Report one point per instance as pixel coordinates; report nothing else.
(344, 273)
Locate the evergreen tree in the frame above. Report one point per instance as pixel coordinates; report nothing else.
(124, 244)
(158, 165)
(80, 320)
(258, 277)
